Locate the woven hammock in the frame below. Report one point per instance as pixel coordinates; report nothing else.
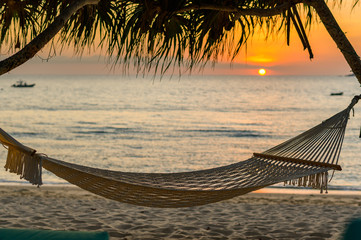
(303, 161)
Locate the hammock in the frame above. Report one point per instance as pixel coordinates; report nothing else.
(303, 161)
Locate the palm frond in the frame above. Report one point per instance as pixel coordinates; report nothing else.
(158, 33)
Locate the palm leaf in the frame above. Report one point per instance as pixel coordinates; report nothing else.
(156, 33)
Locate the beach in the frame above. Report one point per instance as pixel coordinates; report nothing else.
(175, 126)
(260, 215)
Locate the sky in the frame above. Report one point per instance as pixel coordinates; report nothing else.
(273, 55)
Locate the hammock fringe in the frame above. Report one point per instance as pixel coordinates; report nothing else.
(315, 181)
(29, 167)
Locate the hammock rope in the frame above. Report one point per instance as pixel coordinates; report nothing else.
(302, 161)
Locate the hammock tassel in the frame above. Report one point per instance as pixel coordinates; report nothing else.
(316, 181)
(27, 166)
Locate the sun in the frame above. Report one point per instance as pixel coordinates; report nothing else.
(262, 71)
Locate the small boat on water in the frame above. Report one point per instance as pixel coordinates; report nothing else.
(336, 94)
(22, 84)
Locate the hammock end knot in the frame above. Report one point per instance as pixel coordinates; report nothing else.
(354, 101)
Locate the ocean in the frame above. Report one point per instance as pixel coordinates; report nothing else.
(173, 124)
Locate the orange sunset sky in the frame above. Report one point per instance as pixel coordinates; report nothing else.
(273, 55)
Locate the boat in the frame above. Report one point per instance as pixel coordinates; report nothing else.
(22, 84)
(336, 94)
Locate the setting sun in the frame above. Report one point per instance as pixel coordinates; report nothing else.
(262, 71)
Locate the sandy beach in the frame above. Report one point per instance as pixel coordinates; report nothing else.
(252, 216)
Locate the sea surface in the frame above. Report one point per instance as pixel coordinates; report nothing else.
(152, 124)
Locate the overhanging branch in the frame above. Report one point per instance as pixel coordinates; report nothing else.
(338, 36)
(43, 38)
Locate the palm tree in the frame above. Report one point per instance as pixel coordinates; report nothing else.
(159, 33)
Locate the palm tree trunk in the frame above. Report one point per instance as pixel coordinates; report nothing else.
(43, 38)
(338, 36)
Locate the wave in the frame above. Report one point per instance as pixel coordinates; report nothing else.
(87, 123)
(229, 133)
(103, 130)
(26, 134)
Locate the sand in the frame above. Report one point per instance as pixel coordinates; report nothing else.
(252, 216)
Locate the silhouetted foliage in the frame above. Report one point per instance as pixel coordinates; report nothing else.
(157, 33)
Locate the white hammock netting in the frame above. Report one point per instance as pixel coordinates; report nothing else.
(303, 161)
